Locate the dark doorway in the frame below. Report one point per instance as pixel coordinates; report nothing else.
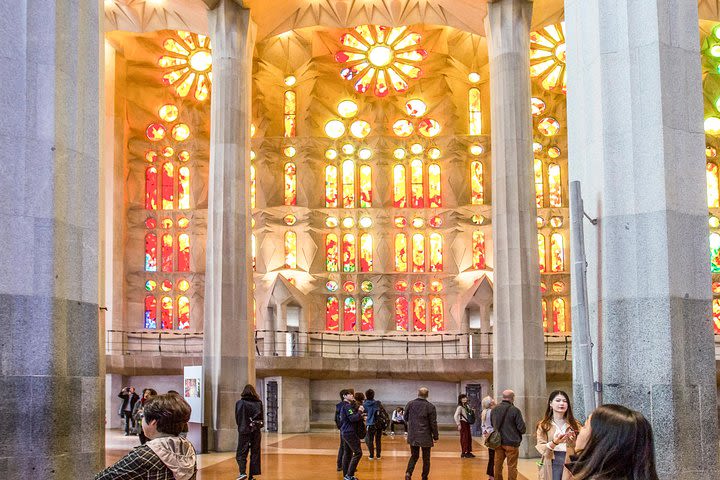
(474, 393)
(271, 404)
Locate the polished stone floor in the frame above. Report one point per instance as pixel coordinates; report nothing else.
(312, 456)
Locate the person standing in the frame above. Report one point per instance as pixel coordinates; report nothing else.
(463, 414)
(488, 403)
(341, 449)
(398, 418)
(351, 416)
(556, 435)
(129, 398)
(507, 419)
(138, 413)
(249, 419)
(421, 420)
(375, 424)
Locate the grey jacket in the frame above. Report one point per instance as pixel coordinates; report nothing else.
(421, 419)
(513, 428)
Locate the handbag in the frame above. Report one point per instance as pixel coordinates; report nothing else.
(494, 440)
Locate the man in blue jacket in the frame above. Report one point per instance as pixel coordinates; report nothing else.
(373, 439)
(341, 449)
(350, 416)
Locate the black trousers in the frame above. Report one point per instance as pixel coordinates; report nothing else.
(491, 463)
(341, 450)
(351, 454)
(249, 442)
(128, 421)
(373, 439)
(392, 426)
(414, 455)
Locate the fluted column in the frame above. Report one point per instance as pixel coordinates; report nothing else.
(518, 356)
(229, 352)
(635, 116)
(51, 372)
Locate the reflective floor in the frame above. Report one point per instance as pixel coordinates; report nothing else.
(312, 456)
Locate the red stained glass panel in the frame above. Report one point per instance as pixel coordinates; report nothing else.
(183, 252)
(168, 174)
(151, 188)
(332, 253)
(151, 252)
(332, 314)
(349, 314)
(183, 313)
(437, 319)
(166, 313)
(401, 314)
(166, 253)
(150, 312)
(419, 313)
(367, 314)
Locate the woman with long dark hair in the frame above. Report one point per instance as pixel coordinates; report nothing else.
(615, 443)
(462, 413)
(556, 434)
(249, 418)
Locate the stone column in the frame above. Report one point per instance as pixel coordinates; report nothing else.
(51, 372)
(635, 115)
(229, 352)
(518, 355)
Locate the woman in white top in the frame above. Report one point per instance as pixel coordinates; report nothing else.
(462, 413)
(488, 403)
(556, 434)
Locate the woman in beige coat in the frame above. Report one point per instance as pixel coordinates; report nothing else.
(556, 434)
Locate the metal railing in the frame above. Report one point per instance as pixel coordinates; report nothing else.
(161, 342)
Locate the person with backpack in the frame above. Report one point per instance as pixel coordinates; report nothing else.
(464, 417)
(377, 422)
(249, 418)
(351, 421)
(341, 449)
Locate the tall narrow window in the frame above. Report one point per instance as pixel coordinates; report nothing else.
(367, 314)
(478, 192)
(166, 253)
(332, 314)
(714, 253)
(716, 315)
(418, 253)
(253, 249)
(436, 256)
(290, 112)
(253, 186)
(183, 312)
(349, 315)
(151, 252)
(539, 189)
(366, 252)
(434, 185)
(554, 185)
(168, 174)
(544, 315)
(290, 184)
(332, 253)
(399, 187)
(474, 111)
(478, 249)
(542, 253)
(151, 189)
(401, 314)
(559, 323)
(437, 320)
(150, 312)
(183, 252)
(166, 313)
(419, 312)
(365, 186)
(183, 188)
(348, 184)
(417, 199)
(331, 186)
(401, 253)
(348, 252)
(713, 189)
(290, 250)
(557, 253)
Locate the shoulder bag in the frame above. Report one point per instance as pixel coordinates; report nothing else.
(494, 440)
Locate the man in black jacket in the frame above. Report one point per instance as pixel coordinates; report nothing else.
(421, 420)
(129, 399)
(507, 419)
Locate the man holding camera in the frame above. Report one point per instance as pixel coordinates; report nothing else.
(130, 398)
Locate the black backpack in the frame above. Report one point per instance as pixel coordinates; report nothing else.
(382, 419)
(470, 416)
(338, 423)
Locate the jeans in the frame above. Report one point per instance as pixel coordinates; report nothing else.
(249, 442)
(414, 455)
(351, 454)
(491, 463)
(511, 453)
(373, 439)
(341, 450)
(558, 465)
(128, 421)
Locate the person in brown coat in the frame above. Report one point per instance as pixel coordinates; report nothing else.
(421, 419)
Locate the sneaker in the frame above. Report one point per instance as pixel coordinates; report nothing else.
(470, 455)
(462, 455)
(242, 476)
(378, 457)
(392, 434)
(371, 458)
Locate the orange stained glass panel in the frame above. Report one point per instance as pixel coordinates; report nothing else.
(168, 174)
(399, 187)
(253, 186)
(366, 252)
(348, 253)
(290, 184)
(417, 199)
(253, 250)
(365, 186)
(716, 315)
(557, 253)
(348, 184)
(554, 185)
(166, 253)
(476, 181)
(183, 188)
(166, 313)
(183, 312)
(290, 250)
(539, 190)
(331, 186)
(542, 252)
(332, 253)
(474, 112)
(183, 252)
(434, 185)
(151, 252)
(544, 316)
(150, 312)
(418, 253)
(332, 314)
(713, 188)
(478, 249)
(436, 256)
(437, 319)
(559, 323)
(349, 314)
(367, 316)
(290, 110)
(151, 188)
(401, 314)
(401, 253)
(419, 314)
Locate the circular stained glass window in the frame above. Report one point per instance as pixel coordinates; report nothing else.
(418, 287)
(155, 132)
(716, 287)
(347, 109)
(399, 153)
(365, 222)
(169, 113)
(548, 126)
(364, 153)
(476, 150)
(289, 151)
(712, 125)
(554, 152)
(473, 77)
(290, 80)
(416, 108)
(348, 149)
(184, 156)
(556, 222)
(543, 287)
(435, 221)
(558, 287)
(429, 128)
(348, 222)
(710, 152)
(150, 223)
(366, 286)
(436, 286)
(168, 152)
(150, 285)
(331, 154)
(252, 154)
(183, 222)
(537, 147)
(360, 129)
(167, 223)
(403, 128)
(349, 287)
(183, 285)
(434, 153)
(400, 222)
(331, 222)
(418, 222)
(181, 132)
(166, 285)
(714, 221)
(478, 219)
(332, 286)
(290, 219)
(151, 156)
(540, 222)
(416, 148)
(401, 285)
(334, 129)
(537, 106)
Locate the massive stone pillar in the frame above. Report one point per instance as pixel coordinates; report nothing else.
(51, 374)
(518, 356)
(229, 352)
(636, 140)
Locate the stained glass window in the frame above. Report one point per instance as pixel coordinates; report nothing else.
(478, 249)
(399, 187)
(716, 315)
(151, 190)
(365, 186)
(416, 184)
(544, 315)
(419, 313)
(401, 314)
(348, 252)
(150, 312)
(166, 253)
(290, 250)
(253, 186)
(557, 253)
(476, 181)
(559, 321)
(331, 186)
(166, 313)
(332, 253)
(715, 253)
(151, 252)
(183, 312)
(349, 314)
(367, 314)
(290, 184)
(554, 185)
(401, 252)
(183, 188)
(253, 250)
(183, 252)
(436, 256)
(332, 314)
(474, 111)
(437, 320)
(366, 252)
(539, 191)
(290, 111)
(542, 253)
(713, 189)
(418, 253)
(348, 181)
(434, 185)
(168, 173)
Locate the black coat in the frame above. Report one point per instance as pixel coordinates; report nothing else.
(127, 397)
(245, 409)
(421, 419)
(514, 426)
